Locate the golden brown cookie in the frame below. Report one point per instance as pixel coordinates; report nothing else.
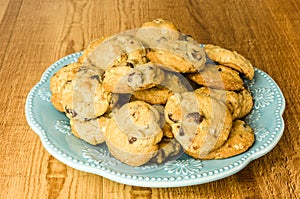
(246, 102)
(133, 135)
(199, 123)
(160, 23)
(155, 95)
(154, 32)
(89, 130)
(90, 48)
(124, 79)
(219, 77)
(139, 118)
(57, 82)
(238, 103)
(116, 50)
(180, 56)
(173, 82)
(231, 59)
(84, 97)
(241, 137)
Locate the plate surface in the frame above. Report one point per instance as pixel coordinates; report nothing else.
(54, 130)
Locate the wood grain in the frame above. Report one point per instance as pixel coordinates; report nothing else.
(34, 34)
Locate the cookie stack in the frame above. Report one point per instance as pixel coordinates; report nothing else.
(153, 93)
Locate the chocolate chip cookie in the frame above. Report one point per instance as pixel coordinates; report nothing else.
(180, 56)
(133, 135)
(157, 31)
(57, 82)
(245, 102)
(173, 82)
(84, 97)
(199, 123)
(89, 130)
(239, 103)
(241, 137)
(124, 79)
(231, 59)
(83, 59)
(115, 50)
(219, 77)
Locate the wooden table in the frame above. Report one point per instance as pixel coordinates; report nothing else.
(34, 34)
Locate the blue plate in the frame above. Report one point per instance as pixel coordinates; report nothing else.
(54, 130)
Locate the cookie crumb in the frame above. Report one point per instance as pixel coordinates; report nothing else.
(181, 131)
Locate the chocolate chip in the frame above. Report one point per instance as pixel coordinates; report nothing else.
(230, 107)
(237, 91)
(83, 69)
(220, 69)
(145, 59)
(133, 114)
(196, 55)
(129, 64)
(71, 112)
(150, 68)
(181, 131)
(160, 39)
(103, 76)
(130, 77)
(170, 117)
(96, 77)
(132, 140)
(196, 117)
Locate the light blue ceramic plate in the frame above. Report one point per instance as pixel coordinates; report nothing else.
(54, 131)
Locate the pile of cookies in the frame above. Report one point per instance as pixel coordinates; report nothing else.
(153, 93)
